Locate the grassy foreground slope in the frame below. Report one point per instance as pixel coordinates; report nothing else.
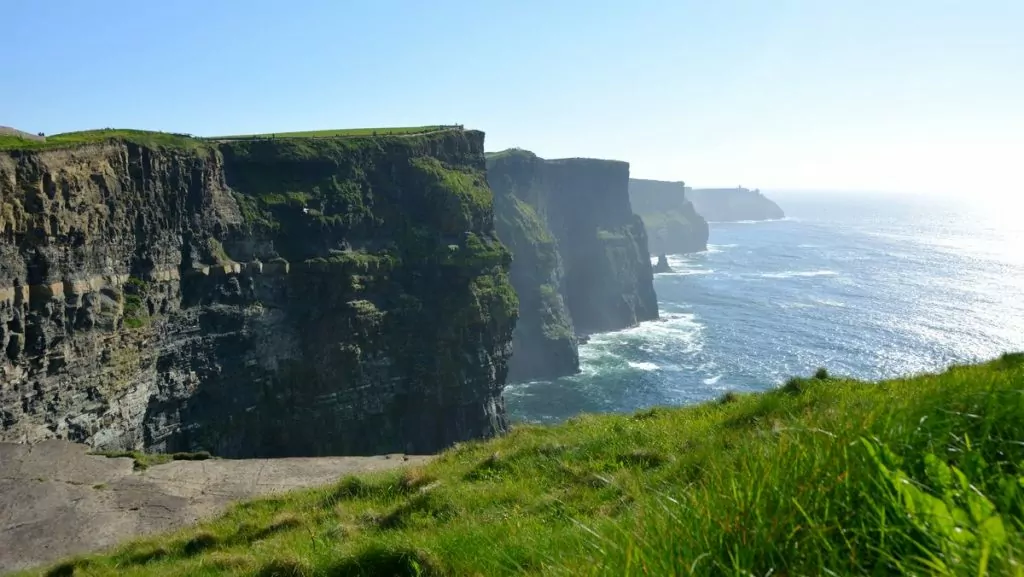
(823, 476)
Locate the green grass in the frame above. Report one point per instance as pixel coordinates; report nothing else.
(143, 137)
(155, 139)
(136, 313)
(343, 132)
(823, 476)
(509, 153)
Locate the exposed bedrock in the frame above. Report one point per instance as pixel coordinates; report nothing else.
(253, 298)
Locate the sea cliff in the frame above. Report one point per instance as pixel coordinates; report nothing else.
(581, 262)
(733, 204)
(673, 225)
(261, 297)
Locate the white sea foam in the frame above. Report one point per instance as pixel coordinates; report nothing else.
(679, 332)
(713, 380)
(678, 261)
(719, 248)
(643, 366)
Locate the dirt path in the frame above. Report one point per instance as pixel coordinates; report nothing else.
(57, 501)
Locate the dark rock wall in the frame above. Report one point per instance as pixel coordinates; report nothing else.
(544, 342)
(594, 253)
(263, 298)
(673, 225)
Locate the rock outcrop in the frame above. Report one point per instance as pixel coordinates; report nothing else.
(286, 297)
(673, 225)
(581, 262)
(733, 204)
(662, 265)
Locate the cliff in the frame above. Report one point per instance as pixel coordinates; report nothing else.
(265, 297)
(733, 204)
(673, 224)
(580, 257)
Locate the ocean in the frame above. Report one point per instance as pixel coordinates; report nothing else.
(867, 286)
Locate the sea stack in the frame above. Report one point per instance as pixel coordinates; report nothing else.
(662, 265)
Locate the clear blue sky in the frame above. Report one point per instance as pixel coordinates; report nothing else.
(916, 95)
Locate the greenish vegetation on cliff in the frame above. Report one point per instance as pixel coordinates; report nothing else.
(823, 476)
(544, 342)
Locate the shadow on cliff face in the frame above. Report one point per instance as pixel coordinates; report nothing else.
(581, 262)
(296, 368)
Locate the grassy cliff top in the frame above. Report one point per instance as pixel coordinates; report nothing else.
(823, 476)
(520, 153)
(12, 141)
(144, 137)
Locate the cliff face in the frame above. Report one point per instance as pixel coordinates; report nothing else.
(732, 204)
(673, 225)
(581, 262)
(257, 298)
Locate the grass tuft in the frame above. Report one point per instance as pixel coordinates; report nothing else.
(729, 397)
(200, 542)
(287, 566)
(65, 569)
(380, 560)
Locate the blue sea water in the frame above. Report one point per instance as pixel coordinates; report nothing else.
(869, 286)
